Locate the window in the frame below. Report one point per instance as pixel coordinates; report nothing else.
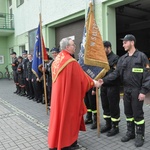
(10, 51)
(1, 59)
(21, 49)
(32, 38)
(19, 2)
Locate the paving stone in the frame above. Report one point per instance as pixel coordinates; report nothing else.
(24, 126)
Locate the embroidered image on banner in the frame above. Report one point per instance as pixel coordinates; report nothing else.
(92, 56)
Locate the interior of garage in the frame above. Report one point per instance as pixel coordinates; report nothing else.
(134, 18)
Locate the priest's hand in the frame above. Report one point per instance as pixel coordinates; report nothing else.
(101, 82)
(98, 83)
(37, 79)
(141, 97)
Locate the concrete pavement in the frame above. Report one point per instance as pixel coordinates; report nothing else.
(24, 124)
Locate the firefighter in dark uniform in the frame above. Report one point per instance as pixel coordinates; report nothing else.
(14, 68)
(20, 76)
(48, 79)
(46, 76)
(110, 96)
(34, 87)
(24, 64)
(29, 77)
(90, 102)
(54, 51)
(37, 87)
(133, 68)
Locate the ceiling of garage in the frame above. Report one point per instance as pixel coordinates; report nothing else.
(133, 16)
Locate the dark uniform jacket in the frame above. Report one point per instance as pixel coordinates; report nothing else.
(15, 64)
(29, 70)
(20, 74)
(49, 73)
(133, 70)
(20, 69)
(24, 63)
(112, 59)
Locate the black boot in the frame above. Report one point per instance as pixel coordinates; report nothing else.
(19, 90)
(130, 134)
(139, 140)
(88, 119)
(114, 130)
(16, 89)
(107, 126)
(94, 125)
(22, 92)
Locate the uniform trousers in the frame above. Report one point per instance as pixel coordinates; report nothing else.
(110, 98)
(133, 108)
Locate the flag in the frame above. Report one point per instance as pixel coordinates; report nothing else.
(39, 56)
(45, 55)
(92, 56)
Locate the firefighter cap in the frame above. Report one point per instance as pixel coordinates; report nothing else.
(25, 52)
(129, 37)
(54, 49)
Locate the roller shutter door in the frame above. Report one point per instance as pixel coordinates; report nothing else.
(75, 30)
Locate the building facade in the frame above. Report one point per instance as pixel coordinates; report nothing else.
(19, 20)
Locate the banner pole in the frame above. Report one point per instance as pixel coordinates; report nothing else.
(45, 94)
(98, 112)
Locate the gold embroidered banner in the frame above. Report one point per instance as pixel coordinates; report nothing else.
(94, 54)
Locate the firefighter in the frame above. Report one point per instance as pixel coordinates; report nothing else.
(30, 76)
(133, 68)
(20, 77)
(14, 68)
(24, 65)
(54, 51)
(48, 78)
(45, 69)
(110, 96)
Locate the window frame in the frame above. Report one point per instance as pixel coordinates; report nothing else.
(1, 59)
(19, 2)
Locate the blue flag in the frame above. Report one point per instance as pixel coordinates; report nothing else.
(37, 56)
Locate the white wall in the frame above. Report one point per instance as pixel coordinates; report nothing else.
(27, 15)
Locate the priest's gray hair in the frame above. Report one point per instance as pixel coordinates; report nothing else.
(64, 42)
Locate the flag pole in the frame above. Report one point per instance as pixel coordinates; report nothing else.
(98, 112)
(45, 94)
(97, 93)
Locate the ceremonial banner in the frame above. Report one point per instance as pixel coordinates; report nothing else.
(37, 56)
(92, 56)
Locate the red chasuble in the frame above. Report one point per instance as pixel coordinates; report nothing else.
(69, 86)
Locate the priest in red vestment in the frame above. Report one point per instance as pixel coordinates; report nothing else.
(70, 83)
